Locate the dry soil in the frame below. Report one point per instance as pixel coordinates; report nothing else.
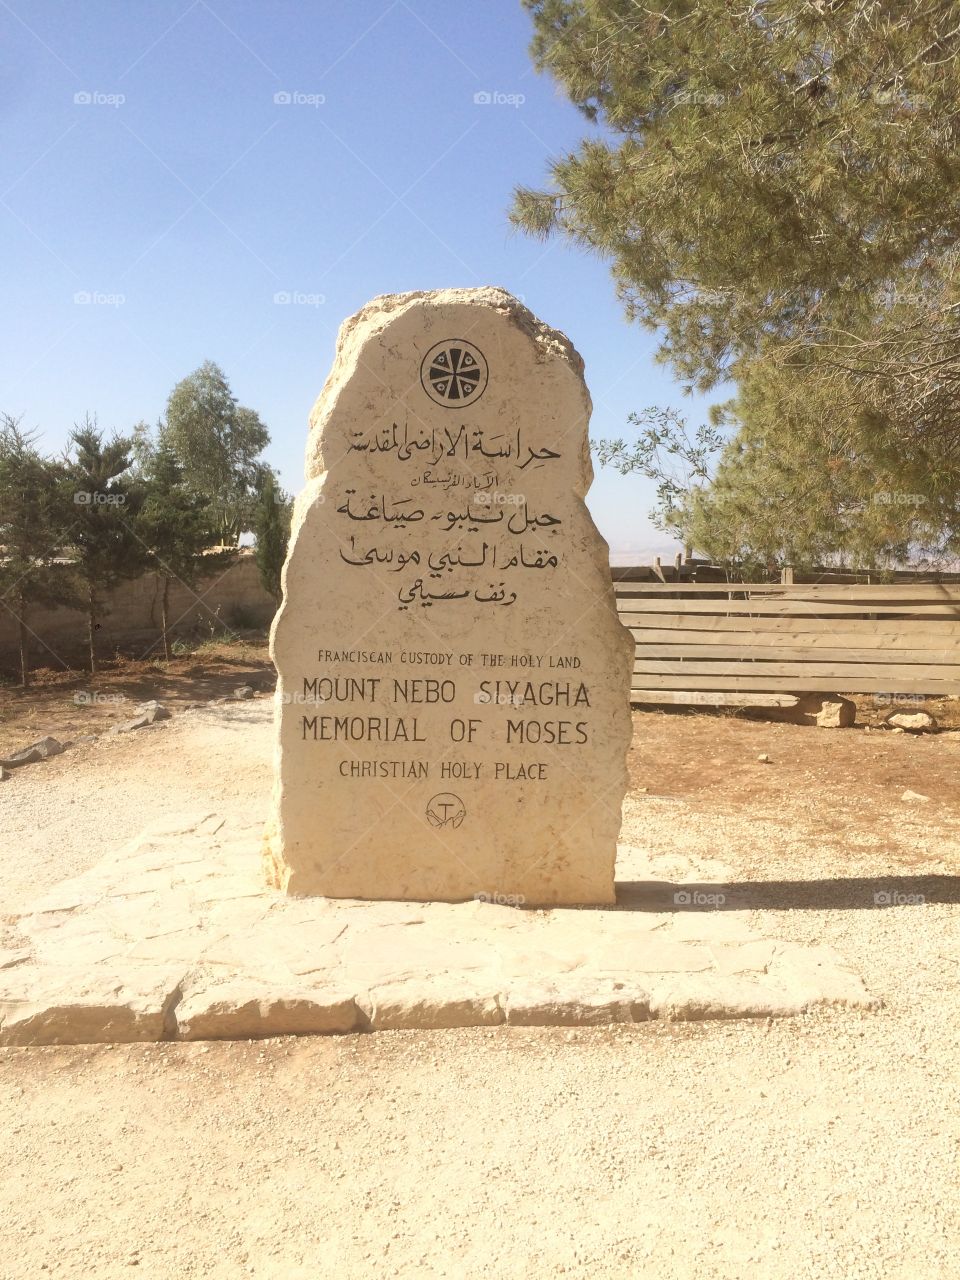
(822, 1146)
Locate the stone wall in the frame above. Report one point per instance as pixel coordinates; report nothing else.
(233, 598)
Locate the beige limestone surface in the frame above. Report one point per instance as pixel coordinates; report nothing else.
(452, 711)
(175, 937)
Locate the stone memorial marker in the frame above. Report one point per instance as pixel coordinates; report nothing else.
(453, 701)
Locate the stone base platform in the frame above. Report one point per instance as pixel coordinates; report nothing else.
(176, 937)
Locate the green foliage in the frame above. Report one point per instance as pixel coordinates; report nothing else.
(773, 496)
(107, 500)
(72, 529)
(777, 192)
(173, 524)
(218, 442)
(766, 158)
(34, 523)
(272, 528)
(664, 451)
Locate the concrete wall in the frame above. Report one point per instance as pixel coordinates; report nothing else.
(233, 597)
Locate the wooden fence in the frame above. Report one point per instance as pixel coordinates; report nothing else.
(776, 638)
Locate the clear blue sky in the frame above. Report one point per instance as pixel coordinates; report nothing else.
(182, 198)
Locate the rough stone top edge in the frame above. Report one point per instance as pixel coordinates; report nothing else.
(376, 316)
(379, 312)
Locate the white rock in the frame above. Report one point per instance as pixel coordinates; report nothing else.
(912, 721)
(153, 710)
(836, 713)
(825, 710)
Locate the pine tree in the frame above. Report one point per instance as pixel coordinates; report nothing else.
(34, 524)
(272, 529)
(107, 501)
(777, 190)
(173, 523)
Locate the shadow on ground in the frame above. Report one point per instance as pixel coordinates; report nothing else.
(865, 893)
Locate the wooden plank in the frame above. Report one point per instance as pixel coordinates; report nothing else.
(778, 652)
(946, 642)
(924, 591)
(803, 625)
(796, 684)
(785, 608)
(829, 671)
(714, 698)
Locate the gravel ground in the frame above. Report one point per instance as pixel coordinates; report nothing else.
(60, 818)
(822, 1146)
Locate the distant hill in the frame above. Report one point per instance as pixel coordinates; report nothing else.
(667, 551)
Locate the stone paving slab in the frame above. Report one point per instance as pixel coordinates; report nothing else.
(176, 937)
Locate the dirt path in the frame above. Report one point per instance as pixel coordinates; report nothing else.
(823, 1146)
(60, 817)
(69, 704)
